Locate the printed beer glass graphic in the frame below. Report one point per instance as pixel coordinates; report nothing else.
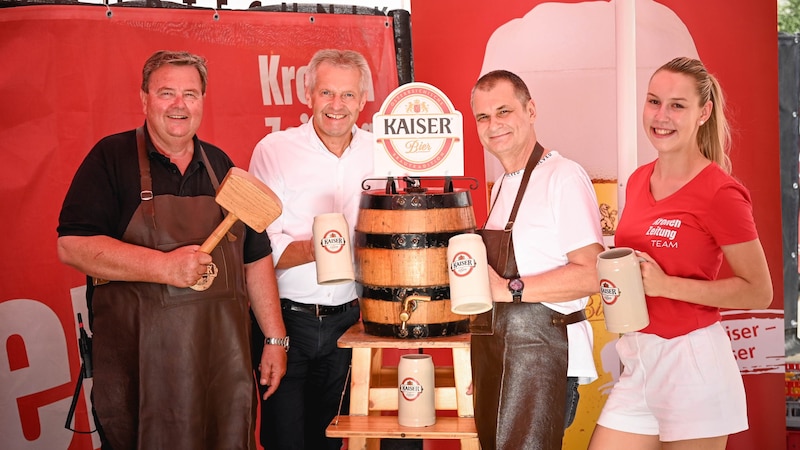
(621, 289)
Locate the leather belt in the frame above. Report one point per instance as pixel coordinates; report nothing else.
(567, 319)
(316, 310)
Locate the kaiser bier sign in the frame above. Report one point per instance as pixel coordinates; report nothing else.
(418, 132)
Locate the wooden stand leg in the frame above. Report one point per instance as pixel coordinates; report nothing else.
(361, 372)
(462, 372)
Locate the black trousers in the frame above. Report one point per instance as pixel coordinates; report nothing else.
(296, 415)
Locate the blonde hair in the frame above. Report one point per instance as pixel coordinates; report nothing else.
(714, 135)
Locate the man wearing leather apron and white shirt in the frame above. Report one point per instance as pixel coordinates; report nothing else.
(541, 345)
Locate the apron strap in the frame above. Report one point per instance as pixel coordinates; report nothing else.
(214, 182)
(146, 194)
(209, 169)
(533, 162)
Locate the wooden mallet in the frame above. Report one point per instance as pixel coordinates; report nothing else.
(247, 199)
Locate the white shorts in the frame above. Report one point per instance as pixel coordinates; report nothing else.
(688, 387)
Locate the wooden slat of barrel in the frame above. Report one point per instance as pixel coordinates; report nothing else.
(427, 312)
(417, 267)
(415, 221)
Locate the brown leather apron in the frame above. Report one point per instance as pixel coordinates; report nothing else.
(519, 378)
(171, 366)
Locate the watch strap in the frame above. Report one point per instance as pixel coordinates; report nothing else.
(516, 294)
(284, 342)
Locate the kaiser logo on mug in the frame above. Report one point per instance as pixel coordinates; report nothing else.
(333, 241)
(462, 264)
(608, 292)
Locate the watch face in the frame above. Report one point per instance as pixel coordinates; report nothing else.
(516, 284)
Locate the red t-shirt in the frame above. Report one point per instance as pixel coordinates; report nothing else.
(683, 233)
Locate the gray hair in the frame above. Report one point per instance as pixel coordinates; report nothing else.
(340, 58)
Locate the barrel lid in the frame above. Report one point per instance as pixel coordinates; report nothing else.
(430, 199)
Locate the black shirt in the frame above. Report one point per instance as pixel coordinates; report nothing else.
(105, 191)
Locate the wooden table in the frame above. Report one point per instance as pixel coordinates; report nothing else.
(373, 389)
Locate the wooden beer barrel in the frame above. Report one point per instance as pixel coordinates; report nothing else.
(400, 252)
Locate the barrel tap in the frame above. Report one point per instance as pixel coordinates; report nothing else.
(409, 306)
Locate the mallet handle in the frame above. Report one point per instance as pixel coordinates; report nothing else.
(217, 235)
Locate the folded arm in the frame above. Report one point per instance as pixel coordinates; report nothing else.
(576, 279)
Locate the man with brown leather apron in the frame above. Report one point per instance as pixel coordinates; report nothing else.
(536, 347)
(171, 362)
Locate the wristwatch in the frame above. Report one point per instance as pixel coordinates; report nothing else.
(278, 341)
(515, 286)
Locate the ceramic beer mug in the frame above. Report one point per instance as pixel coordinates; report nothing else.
(415, 397)
(332, 250)
(621, 290)
(468, 272)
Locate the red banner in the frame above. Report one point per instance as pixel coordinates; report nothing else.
(72, 76)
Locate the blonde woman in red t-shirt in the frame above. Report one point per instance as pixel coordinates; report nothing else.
(681, 387)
